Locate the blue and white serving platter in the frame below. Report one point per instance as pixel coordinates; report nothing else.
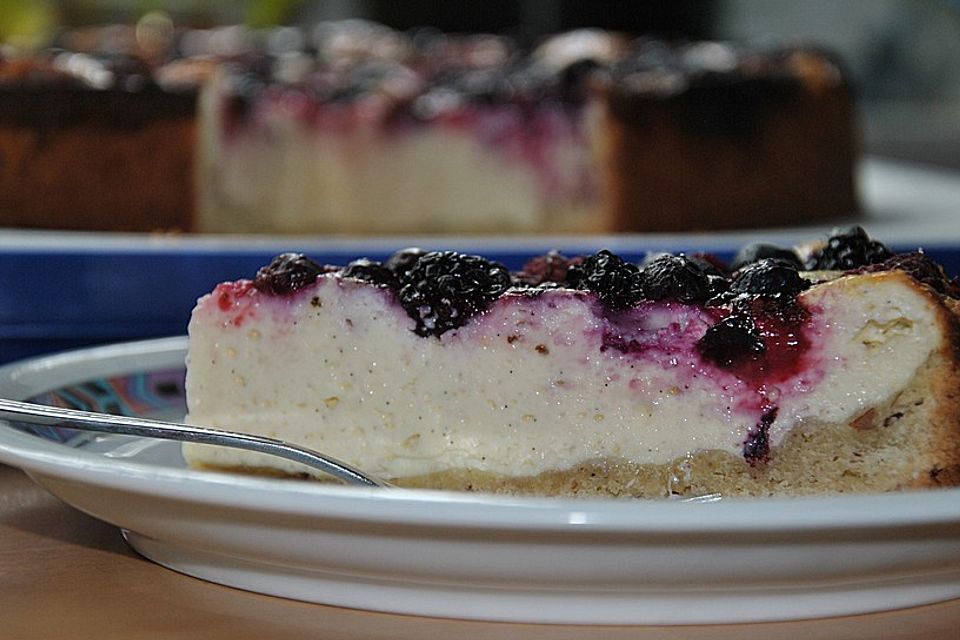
(539, 560)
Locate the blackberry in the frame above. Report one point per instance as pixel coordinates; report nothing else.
(549, 268)
(287, 273)
(443, 290)
(711, 264)
(403, 260)
(922, 269)
(847, 249)
(670, 277)
(371, 271)
(731, 341)
(757, 251)
(717, 288)
(616, 282)
(717, 272)
(768, 277)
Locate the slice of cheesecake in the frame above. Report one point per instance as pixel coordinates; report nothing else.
(589, 376)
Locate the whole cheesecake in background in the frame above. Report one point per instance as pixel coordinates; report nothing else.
(587, 133)
(709, 135)
(593, 376)
(354, 128)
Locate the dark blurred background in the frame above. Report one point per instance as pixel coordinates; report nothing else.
(904, 55)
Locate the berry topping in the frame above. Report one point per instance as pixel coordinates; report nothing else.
(711, 264)
(443, 290)
(670, 277)
(287, 273)
(371, 271)
(922, 269)
(615, 281)
(847, 249)
(760, 250)
(717, 286)
(403, 260)
(731, 341)
(756, 448)
(770, 278)
(574, 80)
(552, 267)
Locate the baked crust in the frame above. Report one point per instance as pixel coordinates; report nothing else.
(792, 161)
(117, 155)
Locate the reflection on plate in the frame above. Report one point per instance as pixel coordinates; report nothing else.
(471, 556)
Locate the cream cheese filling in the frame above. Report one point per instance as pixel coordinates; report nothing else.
(287, 175)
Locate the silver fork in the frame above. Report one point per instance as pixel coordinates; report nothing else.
(101, 422)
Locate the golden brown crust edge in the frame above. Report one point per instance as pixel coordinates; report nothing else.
(800, 168)
(946, 387)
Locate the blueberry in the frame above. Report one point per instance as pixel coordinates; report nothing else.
(768, 277)
(616, 282)
(287, 273)
(443, 290)
(549, 268)
(670, 277)
(371, 271)
(847, 249)
(731, 341)
(403, 260)
(759, 250)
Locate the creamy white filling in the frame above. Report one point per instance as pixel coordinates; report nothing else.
(527, 387)
(281, 173)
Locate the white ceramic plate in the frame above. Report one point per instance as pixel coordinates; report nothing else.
(471, 556)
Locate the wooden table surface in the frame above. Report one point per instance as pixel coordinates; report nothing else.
(66, 575)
